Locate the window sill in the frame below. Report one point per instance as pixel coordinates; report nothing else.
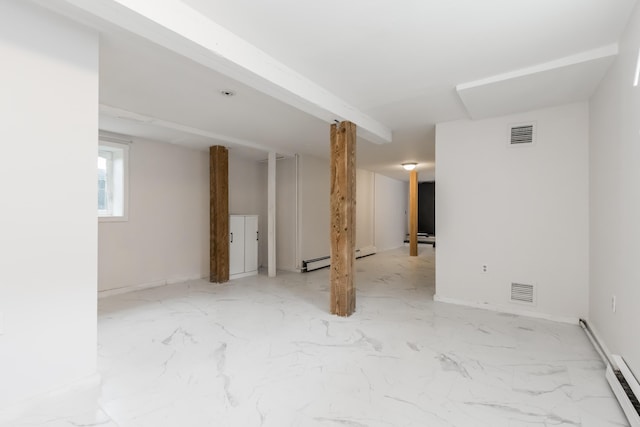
(113, 219)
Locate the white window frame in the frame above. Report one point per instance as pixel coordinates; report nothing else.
(118, 169)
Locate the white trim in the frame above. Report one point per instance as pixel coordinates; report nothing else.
(122, 148)
(598, 338)
(231, 141)
(508, 310)
(241, 275)
(19, 409)
(155, 284)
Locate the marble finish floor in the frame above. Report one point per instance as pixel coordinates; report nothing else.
(265, 352)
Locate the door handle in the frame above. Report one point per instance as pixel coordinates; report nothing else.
(231, 237)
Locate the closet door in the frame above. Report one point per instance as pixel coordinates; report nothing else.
(236, 244)
(251, 243)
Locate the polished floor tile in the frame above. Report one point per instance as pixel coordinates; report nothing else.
(265, 352)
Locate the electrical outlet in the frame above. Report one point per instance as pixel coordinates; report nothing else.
(613, 304)
(485, 268)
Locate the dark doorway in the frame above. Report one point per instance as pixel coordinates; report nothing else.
(427, 208)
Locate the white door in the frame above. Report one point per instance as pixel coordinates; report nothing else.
(236, 244)
(251, 243)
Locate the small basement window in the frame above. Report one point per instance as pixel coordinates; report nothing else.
(113, 159)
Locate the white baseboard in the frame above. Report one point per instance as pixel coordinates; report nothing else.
(241, 275)
(132, 288)
(18, 409)
(600, 341)
(366, 251)
(508, 310)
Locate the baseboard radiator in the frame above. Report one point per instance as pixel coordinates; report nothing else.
(325, 261)
(624, 384)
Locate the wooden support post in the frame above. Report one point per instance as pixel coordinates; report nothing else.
(413, 213)
(271, 215)
(219, 213)
(343, 218)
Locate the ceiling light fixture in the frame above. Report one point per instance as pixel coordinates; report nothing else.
(409, 166)
(227, 92)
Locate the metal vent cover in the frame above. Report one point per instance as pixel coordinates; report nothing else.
(522, 134)
(523, 293)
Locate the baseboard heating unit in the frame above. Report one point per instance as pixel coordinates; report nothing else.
(626, 388)
(325, 261)
(624, 384)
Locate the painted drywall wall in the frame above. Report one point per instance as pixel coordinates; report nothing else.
(391, 200)
(314, 207)
(615, 201)
(380, 209)
(166, 237)
(244, 185)
(286, 212)
(49, 110)
(365, 209)
(522, 211)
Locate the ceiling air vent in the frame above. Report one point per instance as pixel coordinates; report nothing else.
(522, 134)
(522, 293)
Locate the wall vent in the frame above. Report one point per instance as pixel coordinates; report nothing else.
(522, 134)
(523, 293)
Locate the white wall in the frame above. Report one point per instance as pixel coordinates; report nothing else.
(391, 200)
(286, 211)
(245, 188)
(365, 209)
(314, 207)
(523, 211)
(166, 237)
(380, 209)
(314, 179)
(49, 110)
(615, 202)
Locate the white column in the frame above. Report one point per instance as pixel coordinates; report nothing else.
(271, 216)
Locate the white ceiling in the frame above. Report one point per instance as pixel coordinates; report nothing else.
(398, 62)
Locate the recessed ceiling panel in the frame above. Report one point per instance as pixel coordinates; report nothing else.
(547, 85)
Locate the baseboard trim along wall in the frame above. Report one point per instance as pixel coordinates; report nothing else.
(325, 261)
(508, 310)
(155, 284)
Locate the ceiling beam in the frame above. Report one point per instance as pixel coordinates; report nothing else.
(180, 28)
(217, 138)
